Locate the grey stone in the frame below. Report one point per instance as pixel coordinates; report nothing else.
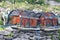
(9, 29)
(2, 32)
(2, 39)
(6, 32)
(1, 36)
(17, 39)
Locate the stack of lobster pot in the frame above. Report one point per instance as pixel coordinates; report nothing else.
(29, 19)
(48, 19)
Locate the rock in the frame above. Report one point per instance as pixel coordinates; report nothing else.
(2, 31)
(15, 35)
(9, 29)
(2, 39)
(8, 38)
(17, 39)
(6, 32)
(1, 36)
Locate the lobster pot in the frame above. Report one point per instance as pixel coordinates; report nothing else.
(12, 21)
(33, 22)
(55, 21)
(48, 22)
(58, 20)
(15, 20)
(42, 21)
(25, 22)
(38, 23)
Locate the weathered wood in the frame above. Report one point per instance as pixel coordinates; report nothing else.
(50, 29)
(21, 28)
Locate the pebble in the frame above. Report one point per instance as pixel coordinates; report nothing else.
(17, 35)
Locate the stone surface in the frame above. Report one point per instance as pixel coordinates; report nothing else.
(17, 34)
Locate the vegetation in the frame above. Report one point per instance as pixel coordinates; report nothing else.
(1, 27)
(57, 0)
(10, 35)
(29, 1)
(1, 22)
(30, 6)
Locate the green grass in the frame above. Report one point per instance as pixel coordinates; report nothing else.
(59, 34)
(1, 27)
(10, 35)
(30, 6)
